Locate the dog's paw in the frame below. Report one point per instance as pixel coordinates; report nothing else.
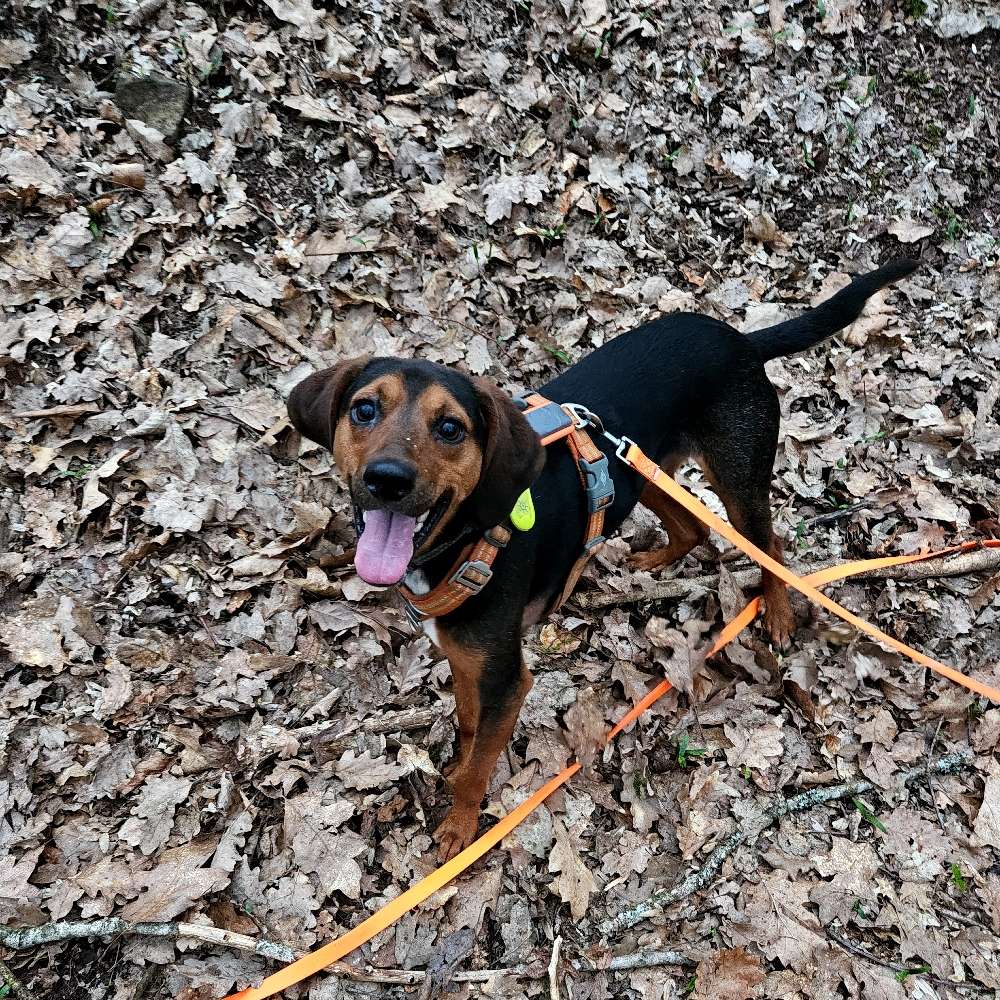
(456, 832)
(779, 623)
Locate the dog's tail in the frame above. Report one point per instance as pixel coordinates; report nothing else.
(830, 316)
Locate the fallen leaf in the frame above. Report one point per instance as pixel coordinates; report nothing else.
(909, 231)
(574, 883)
(730, 974)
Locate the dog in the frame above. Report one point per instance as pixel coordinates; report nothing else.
(433, 458)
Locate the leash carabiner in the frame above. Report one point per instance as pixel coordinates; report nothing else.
(584, 417)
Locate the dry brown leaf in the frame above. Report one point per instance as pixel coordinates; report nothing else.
(153, 816)
(177, 881)
(730, 974)
(574, 883)
(585, 726)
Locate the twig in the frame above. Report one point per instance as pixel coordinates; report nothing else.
(637, 960)
(837, 515)
(697, 880)
(73, 930)
(974, 561)
(63, 411)
(270, 324)
(930, 779)
(16, 989)
(339, 561)
(776, 12)
(70, 930)
(961, 918)
(554, 969)
(856, 949)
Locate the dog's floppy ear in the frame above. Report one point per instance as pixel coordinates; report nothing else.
(314, 403)
(512, 456)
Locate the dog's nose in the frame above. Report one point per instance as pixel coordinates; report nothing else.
(389, 479)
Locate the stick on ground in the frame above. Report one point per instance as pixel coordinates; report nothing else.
(554, 969)
(70, 930)
(974, 561)
(697, 880)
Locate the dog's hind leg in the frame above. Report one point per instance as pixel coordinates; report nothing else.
(685, 531)
(736, 447)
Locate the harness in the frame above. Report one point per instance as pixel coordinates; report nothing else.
(472, 570)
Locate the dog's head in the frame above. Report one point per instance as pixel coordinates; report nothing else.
(420, 446)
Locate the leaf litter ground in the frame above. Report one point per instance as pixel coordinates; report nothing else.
(205, 716)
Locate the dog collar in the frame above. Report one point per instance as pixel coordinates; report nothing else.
(473, 568)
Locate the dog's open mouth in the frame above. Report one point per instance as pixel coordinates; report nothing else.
(387, 541)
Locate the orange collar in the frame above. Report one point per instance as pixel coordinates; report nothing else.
(472, 570)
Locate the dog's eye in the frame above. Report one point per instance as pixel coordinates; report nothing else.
(363, 412)
(450, 430)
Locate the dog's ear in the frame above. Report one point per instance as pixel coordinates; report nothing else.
(314, 403)
(512, 456)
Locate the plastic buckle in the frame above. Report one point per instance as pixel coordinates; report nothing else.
(598, 483)
(593, 543)
(473, 575)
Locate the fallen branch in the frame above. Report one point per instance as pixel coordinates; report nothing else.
(638, 960)
(692, 883)
(72, 930)
(973, 561)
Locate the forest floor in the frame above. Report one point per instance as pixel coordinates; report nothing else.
(193, 710)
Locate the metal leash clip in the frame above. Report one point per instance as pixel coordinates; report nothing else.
(582, 417)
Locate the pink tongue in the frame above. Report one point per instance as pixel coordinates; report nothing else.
(385, 547)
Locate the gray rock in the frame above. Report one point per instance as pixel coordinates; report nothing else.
(154, 100)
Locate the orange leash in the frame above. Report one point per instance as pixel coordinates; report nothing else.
(635, 458)
(318, 960)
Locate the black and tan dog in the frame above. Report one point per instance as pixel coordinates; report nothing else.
(433, 458)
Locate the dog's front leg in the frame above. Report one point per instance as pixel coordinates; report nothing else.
(490, 686)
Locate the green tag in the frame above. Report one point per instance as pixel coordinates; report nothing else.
(523, 514)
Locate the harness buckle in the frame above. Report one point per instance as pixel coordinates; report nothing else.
(473, 575)
(599, 485)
